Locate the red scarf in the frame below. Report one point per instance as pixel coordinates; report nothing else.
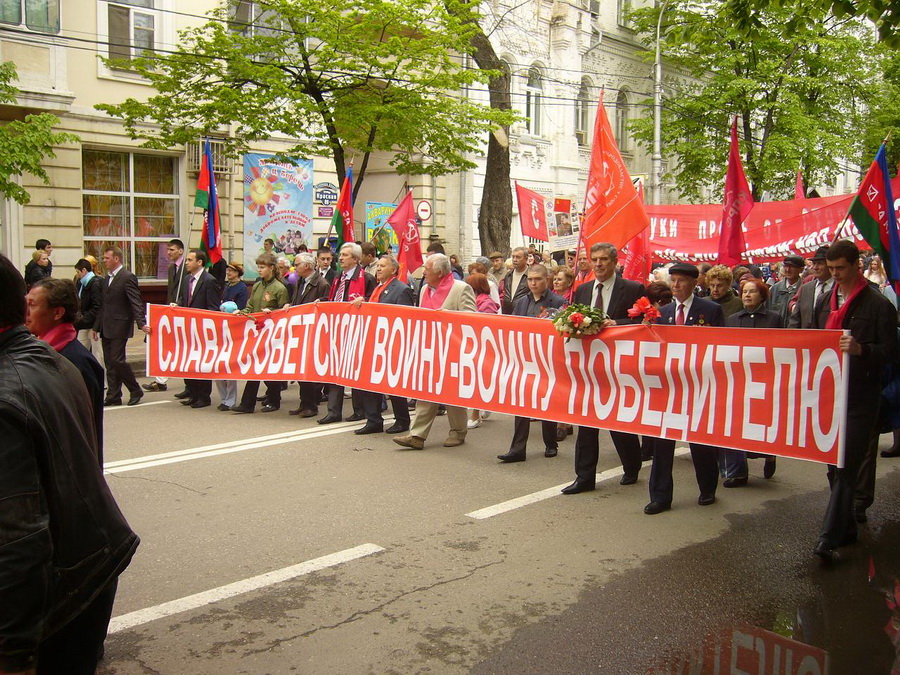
(433, 298)
(59, 336)
(837, 316)
(379, 289)
(356, 287)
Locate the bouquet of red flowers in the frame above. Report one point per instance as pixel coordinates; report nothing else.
(579, 321)
(644, 308)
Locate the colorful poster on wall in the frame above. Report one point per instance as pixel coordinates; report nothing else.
(278, 206)
(377, 230)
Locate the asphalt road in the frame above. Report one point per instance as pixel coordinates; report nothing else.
(275, 545)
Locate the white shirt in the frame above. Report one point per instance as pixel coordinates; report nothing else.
(607, 291)
(687, 307)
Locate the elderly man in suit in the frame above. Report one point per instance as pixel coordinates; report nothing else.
(615, 296)
(809, 302)
(686, 309)
(440, 291)
(199, 291)
(311, 286)
(391, 291)
(122, 307)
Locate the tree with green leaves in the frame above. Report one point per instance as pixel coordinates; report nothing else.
(801, 97)
(25, 143)
(344, 81)
(884, 113)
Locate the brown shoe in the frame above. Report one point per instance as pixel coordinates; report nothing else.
(411, 442)
(453, 442)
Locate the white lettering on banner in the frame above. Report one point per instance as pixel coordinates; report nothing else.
(649, 417)
(755, 391)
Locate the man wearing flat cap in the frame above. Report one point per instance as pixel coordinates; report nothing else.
(497, 269)
(782, 292)
(807, 306)
(686, 309)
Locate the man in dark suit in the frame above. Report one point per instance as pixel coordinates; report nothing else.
(199, 291)
(615, 296)
(808, 303)
(311, 286)
(174, 280)
(391, 291)
(122, 307)
(515, 284)
(686, 309)
(89, 288)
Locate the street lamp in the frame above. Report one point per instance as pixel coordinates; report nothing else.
(656, 157)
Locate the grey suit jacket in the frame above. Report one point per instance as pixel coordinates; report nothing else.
(804, 315)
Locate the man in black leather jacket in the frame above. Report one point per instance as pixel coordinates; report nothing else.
(63, 540)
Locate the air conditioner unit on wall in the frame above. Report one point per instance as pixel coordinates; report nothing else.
(194, 151)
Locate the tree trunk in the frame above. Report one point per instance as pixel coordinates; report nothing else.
(495, 216)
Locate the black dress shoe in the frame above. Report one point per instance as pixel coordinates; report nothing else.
(201, 403)
(241, 410)
(706, 499)
(769, 467)
(308, 413)
(328, 419)
(261, 398)
(154, 386)
(825, 552)
(224, 407)
(135, 399)
(656, 507)
(736, 481)
(578, 486)
(268, 407)
(183, 394)
(628, 480)
(370, 429)
(355, 418)
(397, 428)
(551, 452)
(112, 401)
(510, 457)
(188, 401)
(893, 452)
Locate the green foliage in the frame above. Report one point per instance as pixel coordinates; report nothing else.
(347, 80)
(24, 143)
(884, 114)
(799, 84)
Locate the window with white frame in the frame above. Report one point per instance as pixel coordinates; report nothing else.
(41, 16)
(622, 121)
(130, 200)
(583, 113)
(131, 27)
(533, 95)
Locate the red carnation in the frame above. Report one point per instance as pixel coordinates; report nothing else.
(576, 319)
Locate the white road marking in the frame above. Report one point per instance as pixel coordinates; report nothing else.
(142, 616)
(132, 407)
(149, 461)
(534, 497)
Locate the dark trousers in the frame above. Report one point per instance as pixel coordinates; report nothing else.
(309, 396)
(706, 468)
(587, 452)
(200, 390)
(336, 401)
(76, 648)
(839, 526)
(118, 372)
(370, 404)
(400, 406)
(521, 429)
(251, 391)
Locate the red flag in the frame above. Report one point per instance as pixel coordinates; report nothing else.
(612, 210)
(403, 220)
(799, 192)
(207, 199)
(532, 214)
(342, 222)
(637, 256)
(737, 204)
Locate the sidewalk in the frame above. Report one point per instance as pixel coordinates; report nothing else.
(136, 354)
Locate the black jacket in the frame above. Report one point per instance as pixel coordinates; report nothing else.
(62, 536)
(89, 303)
(761, 318)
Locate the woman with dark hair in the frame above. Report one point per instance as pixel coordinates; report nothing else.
(754, 294)
(659, 293)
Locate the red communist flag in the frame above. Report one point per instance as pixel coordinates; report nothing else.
(637, 256)
(737, 204)
(532, 214)
(612, 210)
(403, 220)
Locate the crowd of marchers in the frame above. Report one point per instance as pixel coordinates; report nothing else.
(63, 360)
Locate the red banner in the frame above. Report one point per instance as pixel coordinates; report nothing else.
(774, 391)
(738, 204)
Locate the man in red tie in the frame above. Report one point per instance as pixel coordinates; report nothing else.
(686, 309)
